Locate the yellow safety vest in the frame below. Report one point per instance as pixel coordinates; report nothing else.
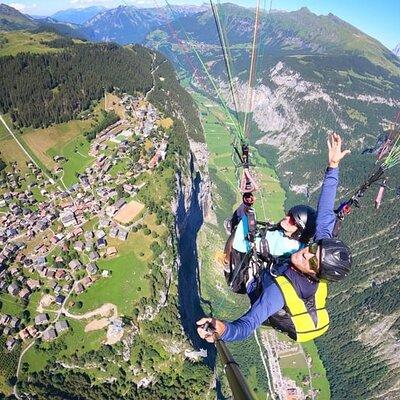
(298, 322)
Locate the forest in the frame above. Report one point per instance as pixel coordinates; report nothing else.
(39, 90)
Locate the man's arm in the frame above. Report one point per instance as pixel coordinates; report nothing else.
(266, 305)
(270, 301)
(325, 215)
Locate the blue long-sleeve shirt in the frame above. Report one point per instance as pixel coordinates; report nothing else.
(271, 300)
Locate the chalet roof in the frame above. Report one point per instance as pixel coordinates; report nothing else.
(49, 334)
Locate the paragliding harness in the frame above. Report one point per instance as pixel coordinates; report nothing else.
(247, 182)
(251, 264)
(241, 263)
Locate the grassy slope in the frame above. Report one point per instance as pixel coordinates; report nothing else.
(10, 151)
(26, 42)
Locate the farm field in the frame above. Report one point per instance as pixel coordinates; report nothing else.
(10, 151)
(48, 142)
(74, 341)
(66, 140)
(319, 380)
(76, 153)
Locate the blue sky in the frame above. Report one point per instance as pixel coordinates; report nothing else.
(379, 19)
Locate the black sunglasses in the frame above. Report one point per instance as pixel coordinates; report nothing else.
(313, 261)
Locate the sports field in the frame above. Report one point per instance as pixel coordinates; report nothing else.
(129, 212)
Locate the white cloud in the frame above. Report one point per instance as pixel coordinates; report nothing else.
(23, 7)
(18, 6)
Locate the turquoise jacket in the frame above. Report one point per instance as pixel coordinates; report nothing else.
(279, 244)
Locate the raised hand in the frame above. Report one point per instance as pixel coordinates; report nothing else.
(335, 153)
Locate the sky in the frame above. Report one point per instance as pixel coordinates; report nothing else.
(379, 19)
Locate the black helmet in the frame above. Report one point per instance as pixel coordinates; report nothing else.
(305, 217)
(248, 199)
(335, 260)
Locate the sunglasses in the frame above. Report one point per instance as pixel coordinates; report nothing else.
(291, 220)
(313, 261)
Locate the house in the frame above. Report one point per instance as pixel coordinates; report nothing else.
(75, 264)
(91, 268)
(68, 218)
(13, 289)
(10, 344)
(49, 334)
(60, 274)
(101, 243)
(79, 246)
(60, 299)
(14, 322)
(79, 288)
(77, 231)
(24, 334)
(61, 326)
(122, 234)
(41, 270)
(113, 232)
(89, 245)
(94, 255)
(32, 284)
(41, 319)
(40, 261)
(32, 330)
(50, 273)
(87, 281)
(111, 251)
(88, 235)
(66, 288)
(103, 223)
(24, 294)
(119, 203)
(5, 319)
(100, 234)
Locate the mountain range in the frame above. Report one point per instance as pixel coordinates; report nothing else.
(77, 15)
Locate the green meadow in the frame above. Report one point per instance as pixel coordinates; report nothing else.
(127, 277)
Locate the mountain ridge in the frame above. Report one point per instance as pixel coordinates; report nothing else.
(77, 15)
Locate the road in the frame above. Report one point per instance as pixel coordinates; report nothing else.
(23, 148)
(154, 56)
